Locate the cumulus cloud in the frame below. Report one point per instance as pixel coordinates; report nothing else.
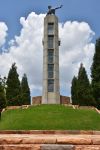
(3, 33)
(27, 51)
(76, 47)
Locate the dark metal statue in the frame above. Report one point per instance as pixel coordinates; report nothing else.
(52, 10)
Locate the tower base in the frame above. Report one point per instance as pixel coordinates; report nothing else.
(51, 98)
(39, 100)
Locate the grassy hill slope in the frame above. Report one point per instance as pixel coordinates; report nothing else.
(50, 117)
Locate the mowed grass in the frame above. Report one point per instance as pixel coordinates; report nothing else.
(50, 117)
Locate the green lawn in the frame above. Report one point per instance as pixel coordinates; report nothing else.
(50, 117)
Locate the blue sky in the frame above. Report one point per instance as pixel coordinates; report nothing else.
(81, 49)
(80, 10)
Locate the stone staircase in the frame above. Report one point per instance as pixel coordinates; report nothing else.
(49, 140)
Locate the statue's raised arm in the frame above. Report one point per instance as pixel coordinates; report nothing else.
(52, 10)
(59, 7)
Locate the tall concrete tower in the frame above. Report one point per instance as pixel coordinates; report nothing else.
(51, 43)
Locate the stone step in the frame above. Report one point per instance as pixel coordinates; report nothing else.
(57, 147)
(49, 141)
(20, 147)
(48, 147)
(87, 147)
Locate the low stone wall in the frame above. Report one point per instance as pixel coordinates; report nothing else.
(51, 132)
(12, 107)
(86, 107)
(17, 107)
(64, 99)
(38, 100)
(98, 111)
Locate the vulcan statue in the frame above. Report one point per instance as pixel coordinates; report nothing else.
(52, 10)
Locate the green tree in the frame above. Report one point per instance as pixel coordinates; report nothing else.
(95, 73)
(2, 97)
(84, 91)
(13, 87)
(74, 91)
(25, 91)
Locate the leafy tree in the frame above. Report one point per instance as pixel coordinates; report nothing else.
(95, 73)
(84, 91)
(2, 97)
(74, 91)
(25, 91)
(13, 87)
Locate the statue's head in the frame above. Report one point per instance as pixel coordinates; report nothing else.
(49, 7)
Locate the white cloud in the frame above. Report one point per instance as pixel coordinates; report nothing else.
(76, 47)
(27, 51)
(3, 33)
